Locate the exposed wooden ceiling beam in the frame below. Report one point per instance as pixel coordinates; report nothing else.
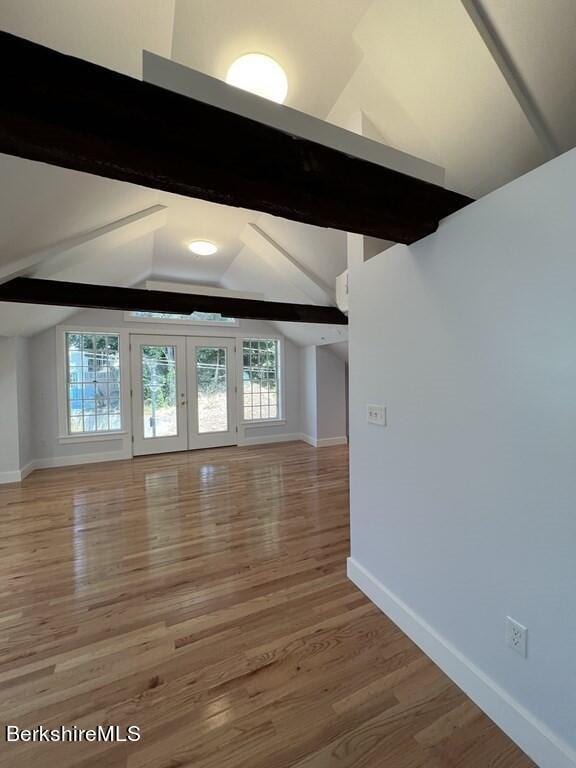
(71, 113)
(55, 293)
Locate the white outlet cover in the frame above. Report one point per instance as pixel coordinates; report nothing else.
(517, 636)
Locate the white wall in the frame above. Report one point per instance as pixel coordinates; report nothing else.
(15, 425)
(331, 384)
(24, 400)
(9, 448)
(48, 448)
(322, 396)
(464, 507)
(308, 400)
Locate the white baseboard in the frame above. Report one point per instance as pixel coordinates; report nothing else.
(17, 475)
(261, 439)
(323, 442)
(10, 477)
(25, 471)
(82, 458)
(535, 738)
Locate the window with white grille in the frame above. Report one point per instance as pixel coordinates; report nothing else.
(93, 393)
(261, 379)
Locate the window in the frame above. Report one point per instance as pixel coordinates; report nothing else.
(159, 396)
(260, 379)
(93, 383)
(206, 318)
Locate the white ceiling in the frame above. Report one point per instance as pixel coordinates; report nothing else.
(41, 205)
(126, 265)
(431, 87)
(197, 220)
(541, 38)
(310, 39)
(419, 71)
(108, 32)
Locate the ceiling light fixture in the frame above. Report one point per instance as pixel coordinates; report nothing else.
(203, 248)
(259, 74)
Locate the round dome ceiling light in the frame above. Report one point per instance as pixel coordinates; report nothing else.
(203, 248)
(259, 74)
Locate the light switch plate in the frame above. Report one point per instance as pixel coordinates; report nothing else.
(376, 414)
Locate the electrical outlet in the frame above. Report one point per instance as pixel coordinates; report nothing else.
(376, 414)
(516, 636)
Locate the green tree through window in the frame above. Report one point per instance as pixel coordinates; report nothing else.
(260, 377)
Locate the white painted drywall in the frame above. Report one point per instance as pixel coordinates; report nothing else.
(331, 386)
(24, 399)
(322, 396)
(464, 507)
(9, 448)
(308, 398)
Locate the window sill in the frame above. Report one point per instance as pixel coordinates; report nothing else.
(95, 438)
(263, 423)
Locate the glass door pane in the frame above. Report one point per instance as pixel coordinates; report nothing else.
(159, 395)
(212, 389)
(212, 375)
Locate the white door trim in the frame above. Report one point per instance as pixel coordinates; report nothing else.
(197, 440)
(142, 445)
(188, 437)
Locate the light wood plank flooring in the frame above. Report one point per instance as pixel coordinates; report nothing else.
(203, 597)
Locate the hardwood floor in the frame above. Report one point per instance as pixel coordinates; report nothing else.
(202, 596)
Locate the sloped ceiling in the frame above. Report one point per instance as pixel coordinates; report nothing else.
(41, 205)
(197, 220)
(419, 71)
(432, 88)
(540, 36)
(311, 39)
(127, 265)
(322, 255)
(111, 33)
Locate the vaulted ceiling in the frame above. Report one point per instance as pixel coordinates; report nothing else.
(420, 71)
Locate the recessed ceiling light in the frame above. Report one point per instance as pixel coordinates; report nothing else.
(203, 248)
(259, 74)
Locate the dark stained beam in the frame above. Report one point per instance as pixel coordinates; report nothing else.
(68, 112)
(26, 290)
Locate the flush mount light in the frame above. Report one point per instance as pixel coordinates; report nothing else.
(259, 74)
(202, 248)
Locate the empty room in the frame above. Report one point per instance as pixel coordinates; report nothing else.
(287, 376)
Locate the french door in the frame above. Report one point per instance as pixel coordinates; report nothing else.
(211, 392)
(183, 393)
